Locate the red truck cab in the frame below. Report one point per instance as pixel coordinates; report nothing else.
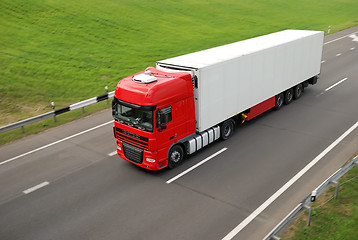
(153, 112)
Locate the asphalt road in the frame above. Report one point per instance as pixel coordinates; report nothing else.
(65, 183)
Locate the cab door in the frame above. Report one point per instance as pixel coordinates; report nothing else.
(165, 131)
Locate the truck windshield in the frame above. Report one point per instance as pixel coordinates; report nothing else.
(140, 117)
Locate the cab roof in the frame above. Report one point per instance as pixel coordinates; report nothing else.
(154, 87)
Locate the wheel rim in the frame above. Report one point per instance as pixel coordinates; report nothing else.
(175, 157)
(289, 96)
(279, 101)
(227, 131)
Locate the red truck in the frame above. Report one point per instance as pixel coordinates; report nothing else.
(165, 113)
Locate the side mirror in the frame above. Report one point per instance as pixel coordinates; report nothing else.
(163, 126)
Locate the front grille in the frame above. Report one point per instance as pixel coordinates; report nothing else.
(132, 139)
(133, 153)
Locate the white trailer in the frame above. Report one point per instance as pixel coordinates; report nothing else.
(231, 79)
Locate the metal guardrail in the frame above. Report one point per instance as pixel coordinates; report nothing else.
(54, 113)
(305, 204)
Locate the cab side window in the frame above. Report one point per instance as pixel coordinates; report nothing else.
(164, 116)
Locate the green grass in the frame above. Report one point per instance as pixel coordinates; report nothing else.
(336, 220)
(66, 51)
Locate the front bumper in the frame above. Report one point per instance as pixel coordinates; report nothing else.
(140, 159)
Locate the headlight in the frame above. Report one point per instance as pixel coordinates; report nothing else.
(150, 160)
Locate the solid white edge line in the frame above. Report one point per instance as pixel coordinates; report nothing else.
(112, 153)
(339, 38)
(261, 208)
(54, 143)
(334, 85)
(34, 188)
(195, 166)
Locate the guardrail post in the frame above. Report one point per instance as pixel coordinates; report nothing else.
(22, 129)
(337, 188)
(106, 88)
(53, 108)
(309, 209)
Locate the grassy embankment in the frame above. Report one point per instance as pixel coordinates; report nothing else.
(67, 51)
(332, 219)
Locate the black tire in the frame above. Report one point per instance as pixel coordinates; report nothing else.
(297, 91)
(227, 129)
(288, 96)
(313, 80)
(279, 101)
(305, 84)
(176, 155)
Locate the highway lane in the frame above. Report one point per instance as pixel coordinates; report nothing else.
(55, 161)
(95, 196)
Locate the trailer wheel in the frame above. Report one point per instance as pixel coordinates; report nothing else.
(227, 129)
(279, 101)
(297, 92)
(175, 157)
(305, 84)
(288, 96)
(313, 80)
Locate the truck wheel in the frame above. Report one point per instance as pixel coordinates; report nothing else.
(305, 84)
(227, 129)
(175, 157)
(288, 96)
(279, 101)
(297, 91)
(313, 80)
